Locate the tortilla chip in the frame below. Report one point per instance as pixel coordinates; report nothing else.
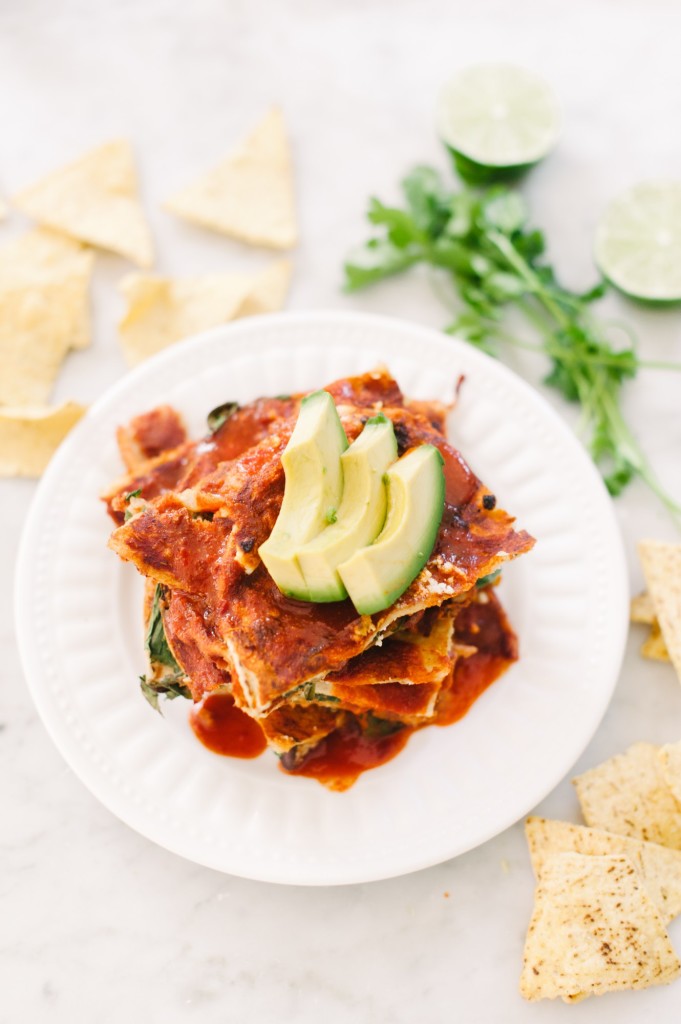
(659, 867)
(268, 290)
(661, 565)
(36, 332)
(629, 795)
(30, 436)
(594, 929)
(654, 646)
(94, 200)
(670, 759)
(249, 195)
(642, 609)
(43, 257)
(163, 310)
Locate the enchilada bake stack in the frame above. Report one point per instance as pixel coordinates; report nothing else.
(333, 691)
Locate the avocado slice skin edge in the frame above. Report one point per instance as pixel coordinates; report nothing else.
(377, 575)
(360, 516)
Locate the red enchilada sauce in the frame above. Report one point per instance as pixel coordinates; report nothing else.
(340, 758)
(483, 625)
(222, 727)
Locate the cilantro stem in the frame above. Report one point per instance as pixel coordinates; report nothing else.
(513, 258)
(635, 456)
(652, 364)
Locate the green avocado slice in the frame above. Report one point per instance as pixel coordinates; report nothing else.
(376, 575)
(361, 513)
(312, 492)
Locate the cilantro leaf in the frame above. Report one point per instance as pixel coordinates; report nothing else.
(378, 259)
(401, 228)
(480, 240)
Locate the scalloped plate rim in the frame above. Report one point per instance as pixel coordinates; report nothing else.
(344, 874)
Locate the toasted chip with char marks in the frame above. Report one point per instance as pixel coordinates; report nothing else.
(629, 795)
(658, 866)
(594, 929)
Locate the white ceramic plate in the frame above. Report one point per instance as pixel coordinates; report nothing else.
(78, 622)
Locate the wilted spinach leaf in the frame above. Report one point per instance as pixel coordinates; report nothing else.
(220, 414)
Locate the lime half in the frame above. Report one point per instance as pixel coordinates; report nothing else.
(497, 120)
(638, 242)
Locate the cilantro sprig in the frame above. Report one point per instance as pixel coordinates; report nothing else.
(495, 262)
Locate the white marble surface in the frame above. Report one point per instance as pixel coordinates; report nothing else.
(96, 923)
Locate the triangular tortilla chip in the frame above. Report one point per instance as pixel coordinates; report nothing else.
(654, 646)
(661, 565)
(94, 200)
(670, 759)
(658, 866)
(36, 332)
(642, 609)
(29, 436)
(268, 290)
(42, 257)
(594, 929)
(163, 310)
(628, 795)
(249, 195)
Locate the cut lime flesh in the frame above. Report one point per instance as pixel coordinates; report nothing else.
(638, 242)
(498, 117)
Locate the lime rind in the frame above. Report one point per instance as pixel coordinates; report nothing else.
(481, 174)
(638, 242)
(497, 120)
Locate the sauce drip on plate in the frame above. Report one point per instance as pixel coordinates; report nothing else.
(342, 756)
(225, 729)
(483, 625)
